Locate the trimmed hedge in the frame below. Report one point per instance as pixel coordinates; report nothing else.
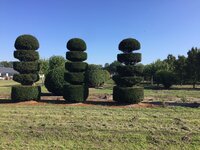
(75, 77)
(26, 42)
(127, 81)
(130, 70)
(76, 66)
(128, 94)
(54, 81)
(128, 45)
(131, 58)
(76, 44)
(26, 67)
(26, 79)
(24, 55)
(76, 56)
(75, 93)
(24, 93)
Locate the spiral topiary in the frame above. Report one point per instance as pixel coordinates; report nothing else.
(77, 89)
(128, 79)
(28, 68)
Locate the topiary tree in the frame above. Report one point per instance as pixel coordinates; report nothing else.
(129, 75)
(28, 68)
(54, 81)
(77, 89)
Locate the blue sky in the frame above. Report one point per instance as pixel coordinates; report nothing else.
(162, 26)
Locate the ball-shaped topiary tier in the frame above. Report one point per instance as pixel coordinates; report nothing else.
(26, 42)
(128, 45)
(129, 75)
(28, 68)
(24, 93)
(24, 55)
(131, 95)
(76, 56)
(76, 66)
(76, 44)
(77, 90)
(76, 93)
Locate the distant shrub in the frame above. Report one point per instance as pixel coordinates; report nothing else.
(97, 77)
(54, 81)
(166, 78)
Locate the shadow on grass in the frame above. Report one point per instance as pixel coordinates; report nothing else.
(6, 101)
(173, 88)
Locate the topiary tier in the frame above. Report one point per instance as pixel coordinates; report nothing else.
(28, 68)
(129, 75)
(77, 90)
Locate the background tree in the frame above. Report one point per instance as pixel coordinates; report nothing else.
(6, 64)
(171, 62)
(44, 66)
(56, 61)
(192, 67)
(180, 69)
(112, 68)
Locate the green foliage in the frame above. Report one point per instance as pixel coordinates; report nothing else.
(75, 93)
(127, 81)
(171, 62)
(128, 94)
(76, 56)
(26, 42)
(24, 93)
(130, 70)
(129, 58)
(166, 78)
(26, 67)
(76, 44)
(75, 77)
(24, 55)
(128, 45)
(76, 66)
(54, 81)
(92, 67)
(56, 61)
(26, 79)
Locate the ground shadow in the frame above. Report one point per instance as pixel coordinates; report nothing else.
(6, 101)
(172, 88)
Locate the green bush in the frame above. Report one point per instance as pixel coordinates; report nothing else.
(75, 93)
(130, 70)
(24, 93)
(128, 94)
(166, 78)
(24, 55)
(75, 77)
(26, 42)
(127, 81)
(76, 66)
(76, 56)
(26, 79)
(128, 59)
(56, 61)
(97, 77)
(26, 67)
(76, 44)
(54, 81)
(128, 45)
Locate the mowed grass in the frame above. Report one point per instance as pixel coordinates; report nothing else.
(77, 127)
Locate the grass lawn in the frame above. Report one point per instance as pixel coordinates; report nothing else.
(76, 127)
(58, 126)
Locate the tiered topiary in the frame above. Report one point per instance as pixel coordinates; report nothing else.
(28, 68)
(129, 74)
(77, 90)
